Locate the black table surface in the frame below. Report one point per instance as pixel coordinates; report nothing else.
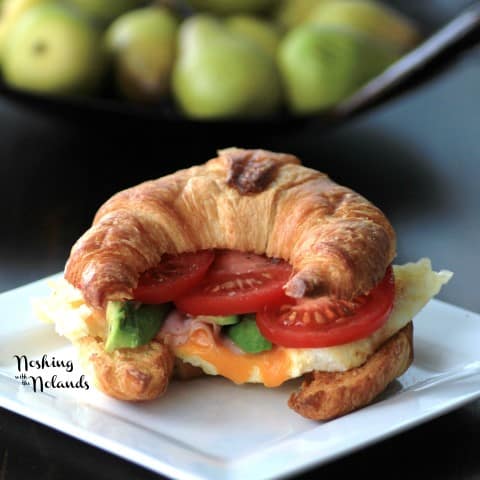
(417, 157)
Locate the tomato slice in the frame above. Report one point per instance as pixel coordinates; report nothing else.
(324, 322)
(175, 275)
(237, 282)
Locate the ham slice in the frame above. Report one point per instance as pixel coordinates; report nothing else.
(179, 329)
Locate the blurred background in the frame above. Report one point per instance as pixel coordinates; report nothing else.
(67, 144)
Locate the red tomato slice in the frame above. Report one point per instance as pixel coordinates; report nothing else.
(324, 322)
(237, 283)
(175, 275)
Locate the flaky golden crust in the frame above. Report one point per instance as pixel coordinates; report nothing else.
(326, 395)
(338, 243)
(131, 374)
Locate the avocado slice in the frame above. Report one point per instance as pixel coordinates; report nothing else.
(224, 319)
(247, 336)
(131, 324)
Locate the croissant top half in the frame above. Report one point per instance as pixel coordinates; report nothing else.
(338, 243)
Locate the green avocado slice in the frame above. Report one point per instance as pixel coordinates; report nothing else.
(247, 336)
(132, 324)
(224, 319)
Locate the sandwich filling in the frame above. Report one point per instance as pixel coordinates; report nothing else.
(229, 316)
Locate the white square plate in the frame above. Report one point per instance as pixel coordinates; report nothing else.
(210, 428)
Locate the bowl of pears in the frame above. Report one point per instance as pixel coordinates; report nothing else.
(203, 61)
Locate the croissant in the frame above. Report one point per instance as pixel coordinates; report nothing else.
(338, 243)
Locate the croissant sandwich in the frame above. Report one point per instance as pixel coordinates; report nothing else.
(251, 267)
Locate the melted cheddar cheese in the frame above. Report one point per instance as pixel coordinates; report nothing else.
(269, 367)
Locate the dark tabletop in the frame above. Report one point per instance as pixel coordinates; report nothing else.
(417, 157)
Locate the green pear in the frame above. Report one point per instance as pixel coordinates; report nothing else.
(369, 17)
(51, 50)
(143, 46)
(228, 7)
(291, 13)
(219, 74)
(104, 11)
(10, 12)
(262, 32)
(323, 65)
